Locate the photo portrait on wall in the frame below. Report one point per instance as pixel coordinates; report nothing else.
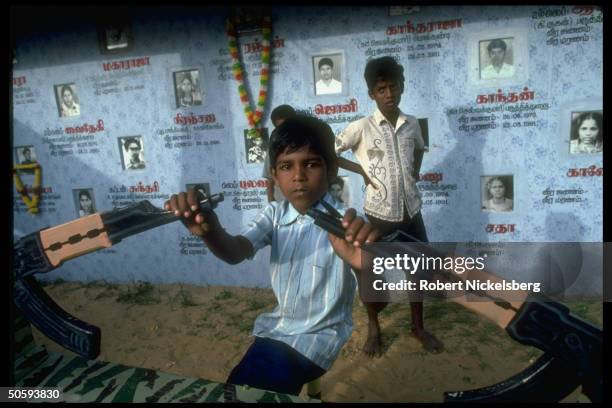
(187, 88)
(67, 100)
(25, 154)
(201, 188)
(132, 152)
(256, 145)
(339, 190)
(84, 201)
(327, 74)
(496, 58)
(114, 37)
(497, 193)
(586, 134)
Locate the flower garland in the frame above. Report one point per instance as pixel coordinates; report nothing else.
(254, 118)
(31, 203)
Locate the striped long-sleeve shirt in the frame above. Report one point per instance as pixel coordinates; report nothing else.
(313, 286)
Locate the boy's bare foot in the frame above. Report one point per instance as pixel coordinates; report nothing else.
(429, 341)
(373, 346)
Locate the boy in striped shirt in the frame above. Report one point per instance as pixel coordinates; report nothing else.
(310, 270)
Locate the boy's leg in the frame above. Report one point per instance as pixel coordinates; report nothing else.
(374, 303)
(273, 365)
(373, 344)
(416, 228)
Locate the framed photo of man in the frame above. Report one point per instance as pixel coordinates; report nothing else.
(496, 58)
(67, 100)
(187, 88)
(328, 73)
(25, 154)
(115, 37)
(201, 188)
(256, 145)
(586, 132)
(84, 202)
(497, 193)
(131, 149)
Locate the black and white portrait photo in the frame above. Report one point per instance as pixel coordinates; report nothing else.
(132, 154)
(586, 135)
(327, 74)
(497, 193)
(339, 190)
(203, 189)
(67, 100)
(496, 58)
(256, 145)
(84, 201)
(25, 154)
(187, 88)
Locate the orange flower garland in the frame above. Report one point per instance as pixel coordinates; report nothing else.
(254, 118)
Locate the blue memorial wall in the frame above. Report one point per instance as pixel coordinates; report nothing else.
(127, 83)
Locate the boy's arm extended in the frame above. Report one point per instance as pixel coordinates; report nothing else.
(230, 248)
(418, 159)
(355, 168)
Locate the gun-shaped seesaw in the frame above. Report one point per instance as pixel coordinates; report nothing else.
(45, 250)
(573, 347)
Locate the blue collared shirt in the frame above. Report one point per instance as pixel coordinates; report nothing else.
(314, 287)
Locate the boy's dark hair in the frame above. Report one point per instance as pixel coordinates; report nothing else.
(326, 61)
(301, 130)
(383, 68)
(496, 43)
(282, 112)
(25, 149)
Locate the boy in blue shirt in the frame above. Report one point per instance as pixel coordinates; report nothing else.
(310, 270)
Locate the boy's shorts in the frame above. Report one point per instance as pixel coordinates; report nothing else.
(413, 226)
(273, 365)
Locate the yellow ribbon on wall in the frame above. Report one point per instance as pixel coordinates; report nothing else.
(30, 202)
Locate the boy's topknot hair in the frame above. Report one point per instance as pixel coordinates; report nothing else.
(386, 68)
(282, 112)
(303, 130)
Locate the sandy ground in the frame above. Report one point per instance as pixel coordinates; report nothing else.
(204, 331)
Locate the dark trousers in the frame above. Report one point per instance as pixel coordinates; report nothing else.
(273, 365)
(413, 226)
